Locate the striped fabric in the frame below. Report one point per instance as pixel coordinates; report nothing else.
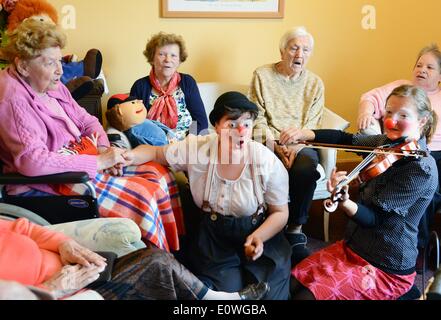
(147, 194)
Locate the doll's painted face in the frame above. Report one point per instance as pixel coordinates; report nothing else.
(132, 113)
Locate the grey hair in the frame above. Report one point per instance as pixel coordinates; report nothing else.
(434, 50)
(294, 33)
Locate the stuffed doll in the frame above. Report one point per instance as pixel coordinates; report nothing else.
(77, 76)
(128, 114)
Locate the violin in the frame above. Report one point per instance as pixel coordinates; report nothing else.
(376, 163)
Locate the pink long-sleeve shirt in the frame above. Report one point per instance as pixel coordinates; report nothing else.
(31, 133)
(378, 98)
(28, 253)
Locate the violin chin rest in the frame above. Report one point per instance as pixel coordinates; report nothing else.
(329, 205)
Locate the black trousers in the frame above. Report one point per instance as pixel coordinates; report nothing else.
(217, 256)
(303, 176)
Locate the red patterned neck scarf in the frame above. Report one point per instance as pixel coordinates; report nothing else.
(164, 108)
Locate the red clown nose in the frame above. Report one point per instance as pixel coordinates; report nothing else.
(389, 123)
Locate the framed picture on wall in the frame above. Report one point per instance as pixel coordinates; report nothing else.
(223, 8)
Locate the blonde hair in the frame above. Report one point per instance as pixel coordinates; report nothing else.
(423, 106)
(30, 38)
(162, 39)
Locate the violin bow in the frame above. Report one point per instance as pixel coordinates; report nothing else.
(361, 149)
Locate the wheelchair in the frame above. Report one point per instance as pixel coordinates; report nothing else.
(51, 209)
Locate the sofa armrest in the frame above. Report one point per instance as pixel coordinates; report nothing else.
(119, 235)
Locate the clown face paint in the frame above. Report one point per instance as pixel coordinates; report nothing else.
(401, 119)
(235, 133)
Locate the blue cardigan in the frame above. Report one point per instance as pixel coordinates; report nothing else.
(142, 89)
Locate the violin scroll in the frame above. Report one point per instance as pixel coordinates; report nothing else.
(337, 196)
(330, 206)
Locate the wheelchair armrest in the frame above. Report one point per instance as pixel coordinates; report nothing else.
(60, 178)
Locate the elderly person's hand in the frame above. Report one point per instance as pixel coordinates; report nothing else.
(291, 154)
(294, 135)
(365, 119)
(73, 253)
(71, 279)
(281, 152)
(109, 158)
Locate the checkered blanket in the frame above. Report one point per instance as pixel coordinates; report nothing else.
(147, 194)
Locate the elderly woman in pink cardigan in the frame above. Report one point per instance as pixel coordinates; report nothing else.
(44, 131)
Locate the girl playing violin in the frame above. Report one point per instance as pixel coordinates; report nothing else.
(376, 260)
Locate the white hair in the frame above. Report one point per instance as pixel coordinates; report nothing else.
(294, 33)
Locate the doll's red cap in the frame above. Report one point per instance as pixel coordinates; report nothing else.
(118, 99)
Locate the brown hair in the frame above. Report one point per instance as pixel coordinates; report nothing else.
(30, 38)
(114, 118)
(422, 104)
(162, 39)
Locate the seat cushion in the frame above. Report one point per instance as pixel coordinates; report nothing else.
(118, 235)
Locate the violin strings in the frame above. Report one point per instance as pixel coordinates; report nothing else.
(357, 170)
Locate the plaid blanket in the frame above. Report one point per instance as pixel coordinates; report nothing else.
(147, 194)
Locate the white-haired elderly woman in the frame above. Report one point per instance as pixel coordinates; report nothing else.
(290, 96)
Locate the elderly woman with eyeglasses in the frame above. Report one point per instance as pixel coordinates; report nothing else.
(290, 96)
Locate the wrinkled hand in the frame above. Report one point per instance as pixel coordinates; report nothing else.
(365, 120)
(253, 247)
(334, 180)
(281, 152)
(71, 279)
(116, 171)
(109, 158)
(73, 253)
(291, 154)
(294, 135)
(128, 157)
